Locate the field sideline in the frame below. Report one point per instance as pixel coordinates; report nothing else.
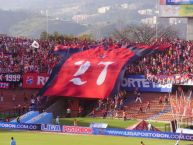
(112, 123)
(35, 138)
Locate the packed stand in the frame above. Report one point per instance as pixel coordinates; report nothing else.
(172, 65)
(18, 56)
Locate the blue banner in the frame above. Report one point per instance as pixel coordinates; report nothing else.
(97, 131)
(142, 134)
(139, 81)
(51, 128)
(179, 2)
(15, 126)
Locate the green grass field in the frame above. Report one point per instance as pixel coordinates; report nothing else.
(112, 123)
(34, 138)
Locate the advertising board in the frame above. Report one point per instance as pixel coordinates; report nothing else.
(176, 11)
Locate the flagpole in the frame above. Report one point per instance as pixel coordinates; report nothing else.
(47, 23)
(156, 23)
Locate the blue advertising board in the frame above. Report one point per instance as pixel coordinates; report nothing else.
(131, 82)
(51, 128)
(142, 134)
(17, 126)
(179, 2)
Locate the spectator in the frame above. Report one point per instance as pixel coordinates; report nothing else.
(104, 113)
(68, 112)
(32, 101)
(80, 111)
(160, 100)
(25, 99)
(93, 113)
(138, 97)
(57, 120)
(148, 106)
(13, 98)
(166, 99)
(1, 98)
(116, 114)
(18, 119)
(75, 122)
(149, 126)
(140, 109)
(124, 115)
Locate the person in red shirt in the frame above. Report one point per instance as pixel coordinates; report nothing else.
(124, 115)
(148, 106)
(160, 100)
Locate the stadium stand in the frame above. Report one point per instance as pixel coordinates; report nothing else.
(19, 56)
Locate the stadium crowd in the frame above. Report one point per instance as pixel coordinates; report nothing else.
(172, 65)
(21, 55)
(18, 56)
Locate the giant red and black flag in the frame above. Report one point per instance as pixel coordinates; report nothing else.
(89, 74)
(93, 73)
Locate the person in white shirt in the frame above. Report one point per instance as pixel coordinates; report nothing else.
(138, 98)
(149, 126)
(177, 142)
(68, 112)
(57, 120)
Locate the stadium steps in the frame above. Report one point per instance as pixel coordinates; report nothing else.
(19, 94)
(99, 113)
(132, 108)
(165, 117)
(166, 110)
(9, 104)
(43, 118)
(26, 117)
(10, 109)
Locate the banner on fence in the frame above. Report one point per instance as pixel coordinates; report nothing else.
(12, 77)
(34, 80)
(77, 130)
(4, 85)
(98, 125)
(142, 134)
(131, 82)
(179, 2)
(51, 128)
(5, 125)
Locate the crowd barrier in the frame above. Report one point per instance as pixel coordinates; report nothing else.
(142, 134)
(96, 131)
(51, 128)
(19, 126)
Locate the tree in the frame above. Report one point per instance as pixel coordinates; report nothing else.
(44, 35)
(144, 33)
(56, 36)
(87, 37)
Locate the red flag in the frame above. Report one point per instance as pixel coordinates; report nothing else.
(90, 74)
